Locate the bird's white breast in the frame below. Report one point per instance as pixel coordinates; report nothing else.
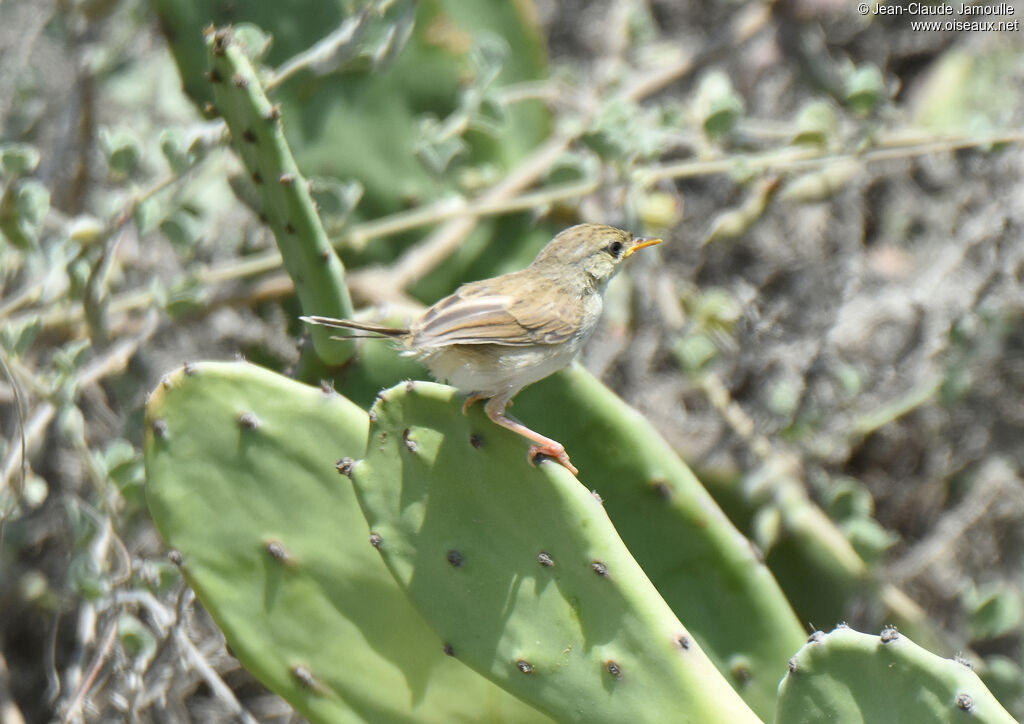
(493, 369)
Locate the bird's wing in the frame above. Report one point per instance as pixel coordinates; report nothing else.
(484, 313)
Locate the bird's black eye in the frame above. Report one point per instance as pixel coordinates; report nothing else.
(615, 249)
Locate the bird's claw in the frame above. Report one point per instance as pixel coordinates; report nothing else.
(558, 454)
(470, 399)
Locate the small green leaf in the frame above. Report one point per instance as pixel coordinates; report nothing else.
(17, 337)
(847, 498)
(78, 277)
(33, 202)
(865, 89)
(869, 538)
(850, 379)
(34, 588)
(35, 491)
(716, 309)
(575, 165)
(335, 199)
(71, 356)
(122, 149)
(821, 185)
(783, 398)
(86, 580)
(185, 297)
(183, 228)
(18, 159)
(123, 464)
(70, 423)
(995, 610)
(22, 209)
(435, 147)
(694, 351)
(719, 106)
(402, 18)
(817, 124)
(659, 210)
(173, 147)
(85, 229)
(738, 221)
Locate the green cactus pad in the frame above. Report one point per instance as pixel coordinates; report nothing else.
(286, 203)
(241, 482)
(520, 571)
(846, 676)
(709, 574)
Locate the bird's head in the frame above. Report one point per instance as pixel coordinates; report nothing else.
(594, 249)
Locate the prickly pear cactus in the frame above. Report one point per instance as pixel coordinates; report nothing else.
(241, 482)
(846, 676)
(286, 202)
(520, 571)
(708, 572)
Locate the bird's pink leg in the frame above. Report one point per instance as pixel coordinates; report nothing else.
(495, 410)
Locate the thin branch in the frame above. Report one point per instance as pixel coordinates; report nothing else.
(28, 294)
(458, 208)
(22, 464)
(803, 158)
(94, 670)
(16, 459)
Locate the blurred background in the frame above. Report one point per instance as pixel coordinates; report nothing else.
(837, 314)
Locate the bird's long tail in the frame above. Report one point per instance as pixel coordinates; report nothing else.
(372, 330)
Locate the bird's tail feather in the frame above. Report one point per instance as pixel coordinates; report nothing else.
(372, 330)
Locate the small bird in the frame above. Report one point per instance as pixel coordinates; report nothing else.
(491, 338)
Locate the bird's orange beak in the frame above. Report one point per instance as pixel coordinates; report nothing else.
(639, 243)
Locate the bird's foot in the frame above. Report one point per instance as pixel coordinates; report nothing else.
(470, 399)
(555, 451)
(542, 445)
